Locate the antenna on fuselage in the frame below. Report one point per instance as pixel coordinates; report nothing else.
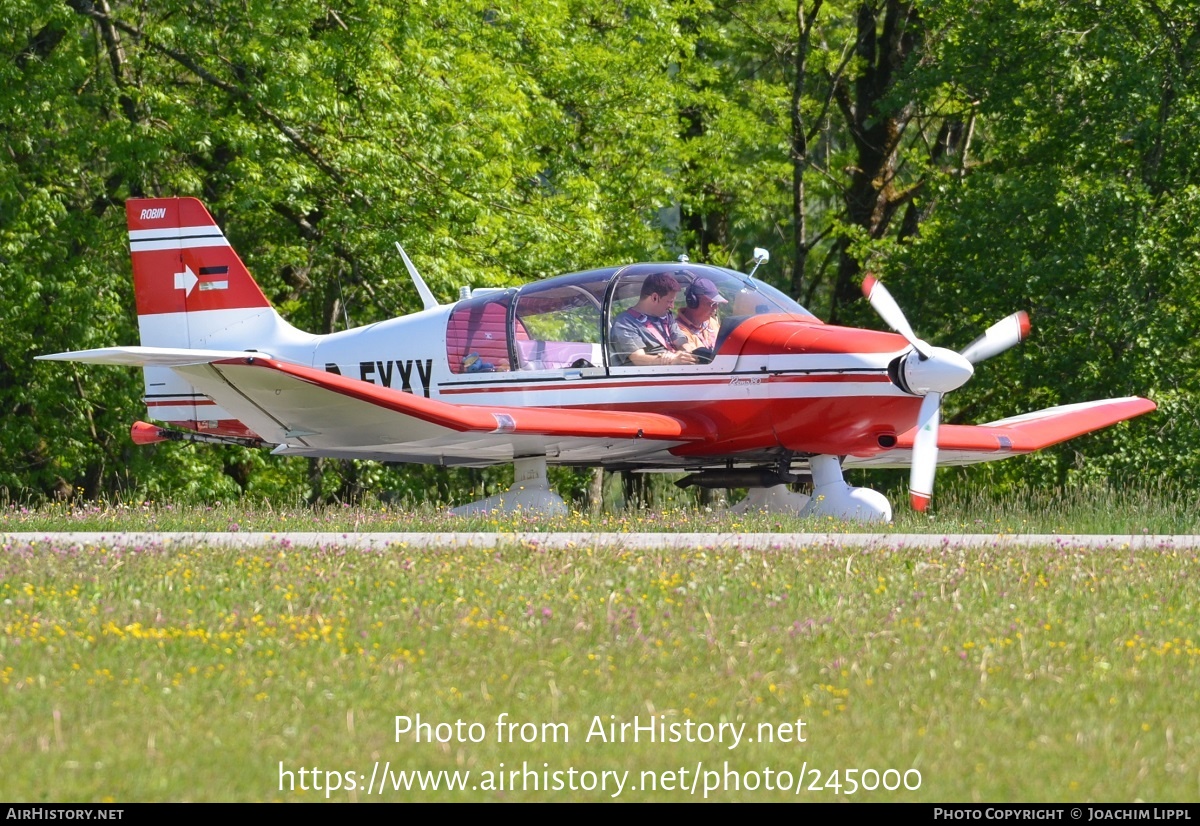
(761, 256)
(422, 288)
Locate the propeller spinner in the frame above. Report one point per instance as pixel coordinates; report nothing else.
(931, 372)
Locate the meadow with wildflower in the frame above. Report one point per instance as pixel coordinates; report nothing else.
(206, 673)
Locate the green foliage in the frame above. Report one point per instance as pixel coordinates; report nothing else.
(496, 147)
(986, 158)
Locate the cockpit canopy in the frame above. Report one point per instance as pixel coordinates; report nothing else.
(564, 322)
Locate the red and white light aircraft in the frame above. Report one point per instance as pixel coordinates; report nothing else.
(527, 375)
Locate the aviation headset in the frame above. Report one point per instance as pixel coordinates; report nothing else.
(692, 296)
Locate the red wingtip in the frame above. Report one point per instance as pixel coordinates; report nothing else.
(144, 433)
(869, 282)
(920, 502)
(1025, 325)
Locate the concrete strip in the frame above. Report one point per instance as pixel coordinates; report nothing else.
(624, 541)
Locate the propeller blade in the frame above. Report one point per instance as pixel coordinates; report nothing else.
(925, 451)
(1008, 332)
(883, 303)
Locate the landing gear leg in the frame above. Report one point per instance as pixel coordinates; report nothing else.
(834, 498)
(529, 494)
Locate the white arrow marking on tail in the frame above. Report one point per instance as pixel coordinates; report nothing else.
(185, 280)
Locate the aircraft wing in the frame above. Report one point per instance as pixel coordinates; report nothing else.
(311, 412)
(970, 444)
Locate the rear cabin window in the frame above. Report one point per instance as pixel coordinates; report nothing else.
(477, 335)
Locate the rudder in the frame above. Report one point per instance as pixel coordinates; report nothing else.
(182, 263)
(192, 291)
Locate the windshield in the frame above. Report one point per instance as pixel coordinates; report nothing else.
(743, 296)
(680, 313)
(775, 301)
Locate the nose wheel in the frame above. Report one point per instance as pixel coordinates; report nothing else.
(832, 498)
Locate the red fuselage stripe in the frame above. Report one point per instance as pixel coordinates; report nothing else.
(617, 383)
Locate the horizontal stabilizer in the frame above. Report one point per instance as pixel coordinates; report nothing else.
(970, 444)
(142, 356)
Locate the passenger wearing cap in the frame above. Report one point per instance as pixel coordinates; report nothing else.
(698, 319)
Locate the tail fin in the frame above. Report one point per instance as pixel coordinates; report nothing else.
(194, 292)
(188, 281)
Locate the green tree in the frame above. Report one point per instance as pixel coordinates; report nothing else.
(1080, 205)
(497, 147)
(805, 129)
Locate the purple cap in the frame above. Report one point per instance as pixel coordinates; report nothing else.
(702, 286)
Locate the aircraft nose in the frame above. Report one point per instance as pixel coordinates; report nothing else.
(943, 371)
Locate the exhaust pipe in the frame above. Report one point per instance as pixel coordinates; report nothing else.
(144, 433)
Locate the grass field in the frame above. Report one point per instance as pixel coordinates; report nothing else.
(1120, 510)
(191, 673)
